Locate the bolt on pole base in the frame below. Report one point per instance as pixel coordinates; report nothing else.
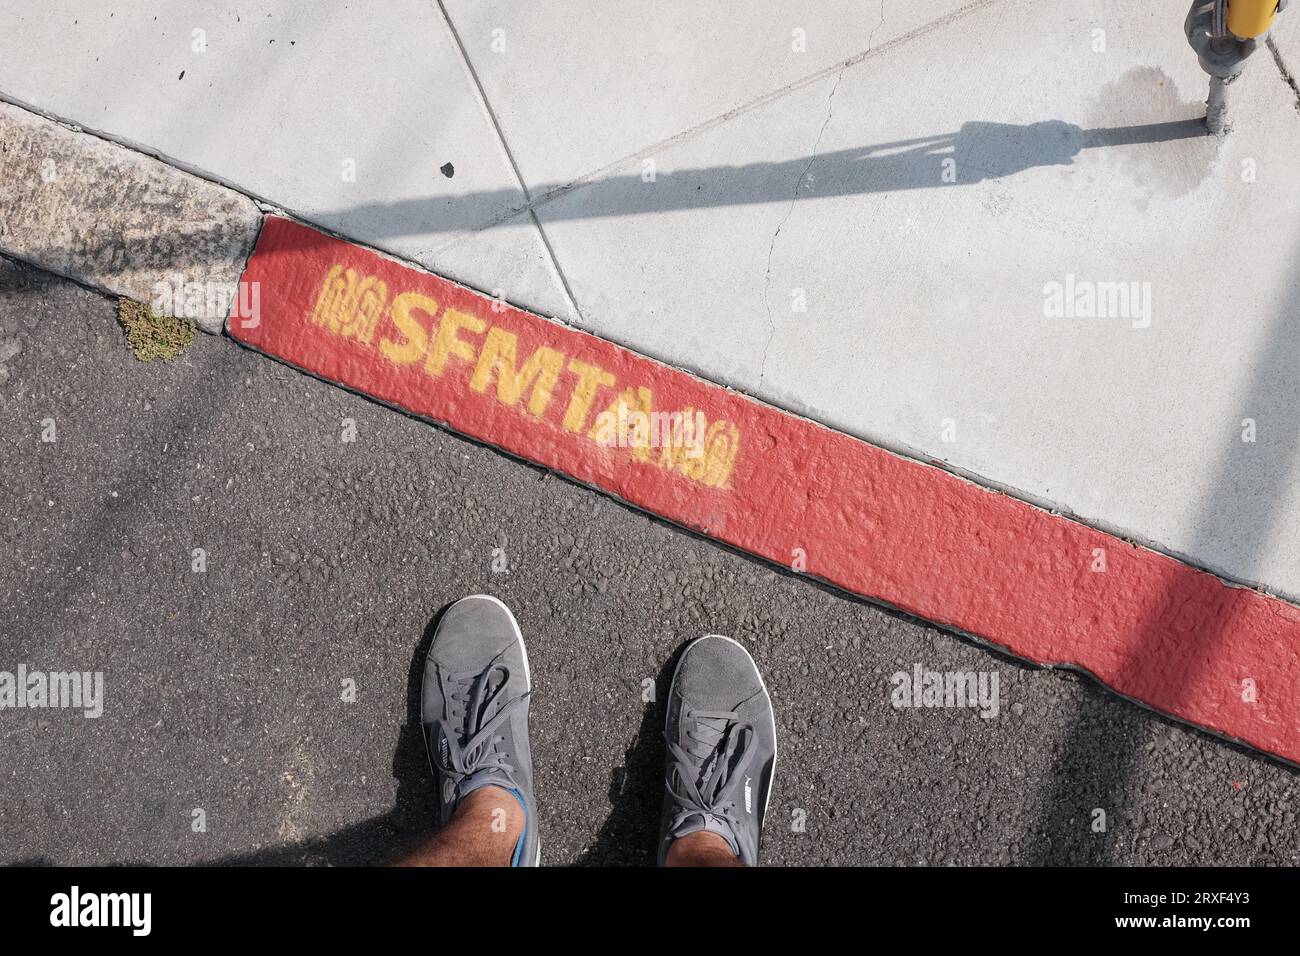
(1216, 108)
(1222, 53)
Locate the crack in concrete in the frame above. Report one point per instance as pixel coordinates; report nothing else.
(551, 193)
(871, 37)
(794, 197)
(1287, 77)
(578, 315)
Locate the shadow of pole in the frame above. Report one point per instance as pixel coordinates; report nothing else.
(983, 151)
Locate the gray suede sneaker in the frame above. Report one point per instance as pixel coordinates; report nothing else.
(721, 738)
(474, 711)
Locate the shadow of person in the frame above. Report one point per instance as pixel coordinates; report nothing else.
(630, 834)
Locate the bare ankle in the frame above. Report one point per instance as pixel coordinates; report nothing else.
(483, 831)
(701, 848)
(494, 808)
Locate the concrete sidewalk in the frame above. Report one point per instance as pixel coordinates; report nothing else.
(722, 192)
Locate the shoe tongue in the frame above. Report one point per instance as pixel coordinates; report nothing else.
(698, 821)
(710, 750)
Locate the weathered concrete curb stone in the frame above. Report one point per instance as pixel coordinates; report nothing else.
(120, 221)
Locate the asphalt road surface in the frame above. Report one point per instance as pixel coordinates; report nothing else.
(228, 734)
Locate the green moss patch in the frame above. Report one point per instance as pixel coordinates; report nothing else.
(152, 336)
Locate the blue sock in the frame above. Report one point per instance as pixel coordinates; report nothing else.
(519, 846)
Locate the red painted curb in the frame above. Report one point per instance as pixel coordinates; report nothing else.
(911, 535)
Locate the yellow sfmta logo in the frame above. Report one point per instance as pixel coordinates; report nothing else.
(350, 305)
(685, 442)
